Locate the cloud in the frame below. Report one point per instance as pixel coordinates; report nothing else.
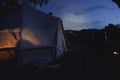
(83, 25)
(77, 18)
(92, 24)
(92, 9)
(99, 7)
(74, 22)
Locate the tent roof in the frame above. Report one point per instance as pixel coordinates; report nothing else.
(34, 27)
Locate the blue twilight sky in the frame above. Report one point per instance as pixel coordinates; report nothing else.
(84, 14)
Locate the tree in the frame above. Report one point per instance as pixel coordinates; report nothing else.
(117, 2)
(7, 6)
(14, 3)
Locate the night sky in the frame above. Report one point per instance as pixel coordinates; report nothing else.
(84, 14)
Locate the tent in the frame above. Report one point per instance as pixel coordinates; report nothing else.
(35, 37)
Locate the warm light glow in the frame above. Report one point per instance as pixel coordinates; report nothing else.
(115, 53)
(7, 54)
(29, 35)
(9, 38)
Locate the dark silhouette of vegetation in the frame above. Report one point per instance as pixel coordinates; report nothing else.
(117, 2)
(92, 55)
(7, 6)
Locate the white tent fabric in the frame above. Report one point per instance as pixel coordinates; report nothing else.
(36, 30)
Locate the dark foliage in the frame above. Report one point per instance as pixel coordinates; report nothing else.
(91, 55)
(107, 38)
(117, 2)
(7, 6)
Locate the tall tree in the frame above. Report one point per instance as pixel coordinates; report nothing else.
(7, 6)
(117, 2)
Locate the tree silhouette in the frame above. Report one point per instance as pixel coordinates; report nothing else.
(7, 6)
(117, 2)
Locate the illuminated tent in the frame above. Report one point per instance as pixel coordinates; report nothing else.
(36, 36)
